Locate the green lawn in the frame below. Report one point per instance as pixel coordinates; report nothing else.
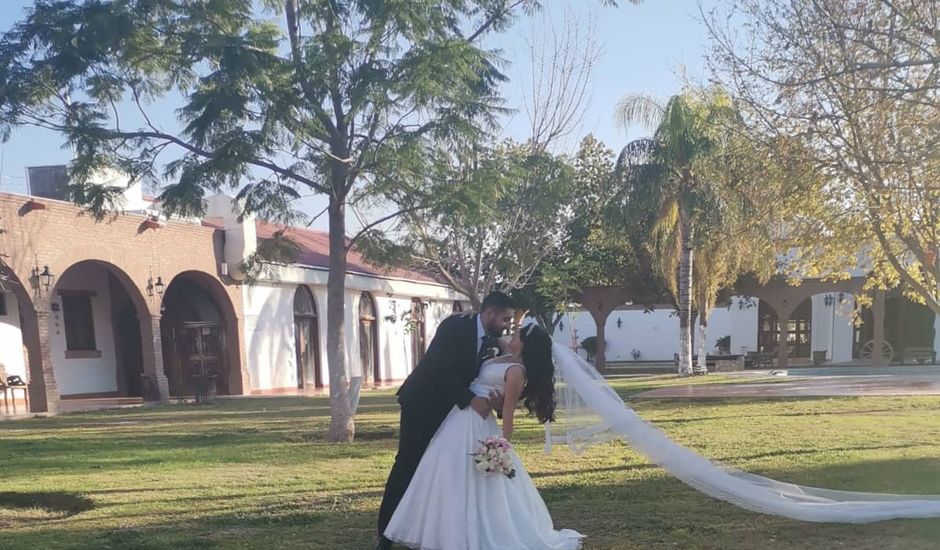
(255, 473)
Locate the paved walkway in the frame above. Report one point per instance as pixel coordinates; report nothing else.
(821, 382)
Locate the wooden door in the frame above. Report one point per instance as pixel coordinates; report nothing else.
(203, 353)
(418, 330)
(368, 341)
(306, 340)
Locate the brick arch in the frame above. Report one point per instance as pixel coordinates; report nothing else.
(135, 292)
(132, 272)
(225, 301)
(16, 286)
(784, 298)
(153, 382)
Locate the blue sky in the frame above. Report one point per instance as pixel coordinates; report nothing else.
(644, 49)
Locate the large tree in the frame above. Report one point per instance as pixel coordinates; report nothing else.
(857, 84)
(493, 216)
(668, 180)
(595, 248)
(726, 243)
(498, 210)
(279, 98)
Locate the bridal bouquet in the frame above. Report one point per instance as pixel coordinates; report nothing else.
(492, 457)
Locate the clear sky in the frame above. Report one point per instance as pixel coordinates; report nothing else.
(644, 49)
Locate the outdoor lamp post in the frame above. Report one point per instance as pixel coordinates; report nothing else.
(46, 277)
(155, 288)
(43, 278)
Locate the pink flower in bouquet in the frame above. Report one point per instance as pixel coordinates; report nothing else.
(492, 457)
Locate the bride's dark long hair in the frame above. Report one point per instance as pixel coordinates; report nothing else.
(539, 393)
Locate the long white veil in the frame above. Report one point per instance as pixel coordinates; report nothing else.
(590, 411)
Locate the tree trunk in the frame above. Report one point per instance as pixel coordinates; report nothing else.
(702, 348)
(685, 298)
(342, 428)
(600, 355)
(552, 324)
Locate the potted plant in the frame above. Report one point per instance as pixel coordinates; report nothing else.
(589, 345)
(724, 344)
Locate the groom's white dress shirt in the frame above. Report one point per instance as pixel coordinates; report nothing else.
(481, 334)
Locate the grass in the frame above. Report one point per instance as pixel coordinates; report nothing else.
(255, 473)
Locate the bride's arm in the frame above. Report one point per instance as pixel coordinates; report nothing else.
(515, 382)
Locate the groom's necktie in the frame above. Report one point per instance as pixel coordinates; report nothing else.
(486, 349)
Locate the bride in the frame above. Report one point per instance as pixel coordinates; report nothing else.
(450, 505)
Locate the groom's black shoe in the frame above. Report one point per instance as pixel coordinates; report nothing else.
(383, 544)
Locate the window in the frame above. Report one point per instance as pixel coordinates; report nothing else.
(3, 305)
(79, 322)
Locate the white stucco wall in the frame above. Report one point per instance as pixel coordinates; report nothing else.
(656, 334)
(743, 324)
(269, 324)
(395, 356)
(821, 330)
(269, 336)
(832, 327)
(81, 376)
(936, 335)
(12, 355)
(720, 323)
(844, 330)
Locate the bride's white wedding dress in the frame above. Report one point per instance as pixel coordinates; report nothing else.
(449, 505)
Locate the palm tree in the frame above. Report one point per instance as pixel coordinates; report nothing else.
(665, 180)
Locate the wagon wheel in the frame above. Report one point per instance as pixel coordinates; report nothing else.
(868, 350)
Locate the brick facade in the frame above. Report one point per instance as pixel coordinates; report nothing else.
(38, 232)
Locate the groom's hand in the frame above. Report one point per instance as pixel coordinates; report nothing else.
(496, 400)
(481, 405)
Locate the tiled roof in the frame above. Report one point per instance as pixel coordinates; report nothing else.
(314, 251)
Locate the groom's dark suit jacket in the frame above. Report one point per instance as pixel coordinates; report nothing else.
(442, 379)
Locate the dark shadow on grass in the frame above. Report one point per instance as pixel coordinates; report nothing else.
(18, 509)
(68, 503)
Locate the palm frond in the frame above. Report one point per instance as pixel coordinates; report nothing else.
(639, 109)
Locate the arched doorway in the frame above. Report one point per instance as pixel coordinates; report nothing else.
(418, 330)
(306, 339)
(198, 330)
(369, 340)
(799, 329)
(19, 333)
(95, 333)
(456, 308)
(11, 332)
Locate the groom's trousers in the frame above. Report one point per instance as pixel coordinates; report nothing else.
(418, 425)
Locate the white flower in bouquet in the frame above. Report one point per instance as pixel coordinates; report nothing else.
(492, 457)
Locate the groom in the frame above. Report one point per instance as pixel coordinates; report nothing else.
(440, 381)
